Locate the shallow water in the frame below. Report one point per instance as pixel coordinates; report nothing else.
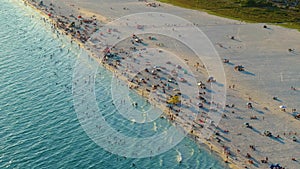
(38, 123)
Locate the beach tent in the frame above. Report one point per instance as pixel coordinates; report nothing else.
(275, 166)
(294, 138)
(239, 68)
(247, 125)
(249, 105)
(200, 105)
(282, 107)
(174, 100)
(211, 79)
(226, 60)
(267, 133)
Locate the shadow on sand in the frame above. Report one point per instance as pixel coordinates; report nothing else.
(255, 130)
(224, 138)
(277, 139)
(219, 84)
(276, 99)
(231, 64)
(258, 111)
(209, 90)
(248, 73)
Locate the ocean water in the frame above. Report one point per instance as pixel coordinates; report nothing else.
(39, 127)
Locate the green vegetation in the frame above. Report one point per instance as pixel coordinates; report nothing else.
(285, 13)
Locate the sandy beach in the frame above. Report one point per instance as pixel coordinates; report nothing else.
(270, 79)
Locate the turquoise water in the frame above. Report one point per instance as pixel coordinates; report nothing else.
(38, 124)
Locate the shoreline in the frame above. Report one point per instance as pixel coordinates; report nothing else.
(209, 146)
(216, 147)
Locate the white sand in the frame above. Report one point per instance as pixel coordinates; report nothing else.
(270, 71)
